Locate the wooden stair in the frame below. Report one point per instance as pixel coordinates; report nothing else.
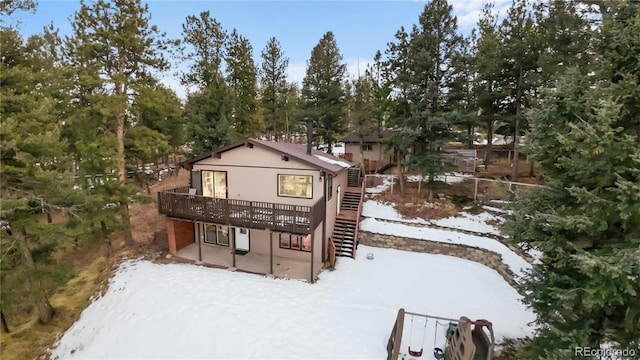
(345, 230)
(350, 201)
(353, 177)
(344, 237)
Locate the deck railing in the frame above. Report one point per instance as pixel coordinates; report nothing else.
(295, 219)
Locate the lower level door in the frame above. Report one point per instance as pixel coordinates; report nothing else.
(242, 239)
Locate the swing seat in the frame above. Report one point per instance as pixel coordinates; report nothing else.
(415, 353)
(438, 353)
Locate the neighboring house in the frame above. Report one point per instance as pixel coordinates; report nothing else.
(261, 206)
(369, 151)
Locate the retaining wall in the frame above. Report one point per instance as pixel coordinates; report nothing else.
(485, 257)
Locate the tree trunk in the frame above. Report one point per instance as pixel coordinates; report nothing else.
(3, 323)
(127, 235)
(489, 148)
(531, 168)
(516, 134)
(45, 310)
(400, 175)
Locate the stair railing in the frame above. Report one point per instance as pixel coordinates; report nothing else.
(358, 214)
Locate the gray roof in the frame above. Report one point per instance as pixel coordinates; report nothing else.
(354, 137)
(318, 159)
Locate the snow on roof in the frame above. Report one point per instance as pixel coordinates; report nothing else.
(332, 161)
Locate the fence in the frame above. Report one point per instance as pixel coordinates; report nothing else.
(481, 190)
(492, 190)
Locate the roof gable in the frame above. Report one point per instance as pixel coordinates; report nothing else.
(317, 160)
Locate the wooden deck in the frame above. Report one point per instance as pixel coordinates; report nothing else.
(351, 215)
(294, 219)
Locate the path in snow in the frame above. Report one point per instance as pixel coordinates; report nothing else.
(187, 311)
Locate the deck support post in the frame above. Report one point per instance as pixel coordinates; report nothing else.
(199, 240)
(271, 252)
(233, 245)
(312, 247)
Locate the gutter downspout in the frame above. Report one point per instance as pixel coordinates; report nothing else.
(324, 219)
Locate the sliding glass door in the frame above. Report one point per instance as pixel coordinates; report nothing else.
(214, 184)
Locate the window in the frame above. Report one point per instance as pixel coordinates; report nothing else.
(215, 234)
(285, 241)
(295, 186)
(214, 184)
(329, 186)
(295, 242)
(366, 147)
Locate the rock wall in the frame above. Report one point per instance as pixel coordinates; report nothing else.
(485, 257)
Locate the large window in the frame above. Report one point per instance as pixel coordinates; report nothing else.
(215, 234)
(295, 186)
(214, 184)
(295, 242)
(367, 147)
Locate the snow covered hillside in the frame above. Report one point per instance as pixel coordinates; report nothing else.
(187, 311)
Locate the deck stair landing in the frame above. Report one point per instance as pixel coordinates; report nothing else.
(345, 231)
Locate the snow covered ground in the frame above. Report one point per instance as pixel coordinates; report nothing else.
(418, 229)
(187, 311)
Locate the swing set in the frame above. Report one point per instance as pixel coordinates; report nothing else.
(458, 342)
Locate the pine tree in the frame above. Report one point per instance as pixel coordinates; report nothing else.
(520, 52)
(33, 162)
(205, 41)
(273, 80)
(487, 65)
(242, 78)
(397, 77)
(208, 111)
(120, 44)
(322, 91)
(208, 118)
(585, 136)
(158, 108)
(425, 72)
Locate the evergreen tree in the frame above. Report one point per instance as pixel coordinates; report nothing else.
(273, 80)
(520, 78)
(425, 73)
(487, 66)
(33, 163)
(585, 135)
(242, 78)
(205, 40)
(208, 118)
(322, 91)
(397, 77)
(158, 108)
(122, 47)
(208, 111)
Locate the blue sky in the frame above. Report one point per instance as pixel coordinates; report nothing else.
(360, 27)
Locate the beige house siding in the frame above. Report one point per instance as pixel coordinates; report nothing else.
(259, 243)
(252, 174)
(372, 155)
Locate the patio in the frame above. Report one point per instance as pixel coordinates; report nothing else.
(251, 262)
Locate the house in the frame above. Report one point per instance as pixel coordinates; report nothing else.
(369, 150)
(265, 207)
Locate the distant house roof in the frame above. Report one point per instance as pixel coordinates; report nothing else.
(354, 137)
(318, 159)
